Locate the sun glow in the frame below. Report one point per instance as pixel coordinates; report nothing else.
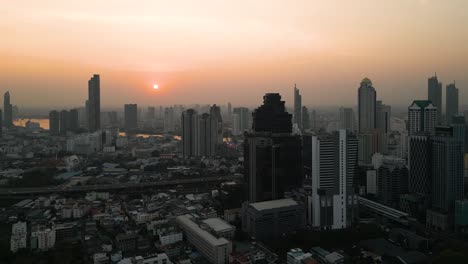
(155, 86)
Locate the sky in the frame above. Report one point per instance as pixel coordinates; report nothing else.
(211, 51)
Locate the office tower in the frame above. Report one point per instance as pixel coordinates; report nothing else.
(94, 103)
(422, 117)
(64, 122)
(272, 116)
(272, 155)
(207, 135)
(189, 133)
(447, 169)
(131, 117)
(54, 122)
(346, 119)
(7, 111)
(419, 163)
(305, 118)
(113, 119)
(434, 94)
(240, 120)
(451, 104)
(229, 113)
(392, 181)
(403, 142)
(168, 119)
(366, 106)
(1, 123)
(333, 164)
(151, 113)
(297, 108)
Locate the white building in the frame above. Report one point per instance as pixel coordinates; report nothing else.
(422, 117)
(42, 238)
(216, 250)
(19, 233)
(220, 227)
(167, 238)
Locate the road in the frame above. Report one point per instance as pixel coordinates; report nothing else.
(112, 187)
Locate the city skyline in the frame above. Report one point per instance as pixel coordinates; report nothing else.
(267, 49)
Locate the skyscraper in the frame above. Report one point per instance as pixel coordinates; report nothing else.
(434, 94)
(168, 119)
(215, 113)
(451, 102)
(422, 117)
(64, 122)
(272, 155)
(333, 164)
(151, 114)
(272, 116)
(346, 119)
(74, 123)
(447, 169)
(229, 112)
(190, 133)
(297, 108)
(392, 181)
(419, 163)
(305, 118)
(1, 123)
(7, 110)
(384, 113)
(131, 117)
(54, 122)
(240, 120)
(94, 103)
(366, 106)
(207, 135)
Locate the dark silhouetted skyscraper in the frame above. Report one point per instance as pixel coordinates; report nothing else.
(347, 119)
(7, 111)
(131, 117)
(272, 116)
(207, 135)
(392, 181)
(434, 94)
(215, 113)
(419, 163)
(94, 103)
(447, 169)
(240, 120)
(451, 102)
(54, 122)
(366, 106)
(64, 122)
(272, 155)
(297, 108)
(190, 133)
(74, 123)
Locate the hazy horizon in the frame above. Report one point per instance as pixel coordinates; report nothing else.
(234, 51)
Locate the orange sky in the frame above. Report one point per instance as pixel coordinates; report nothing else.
(219, 51)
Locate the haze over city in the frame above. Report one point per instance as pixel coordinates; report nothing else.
(212, 51)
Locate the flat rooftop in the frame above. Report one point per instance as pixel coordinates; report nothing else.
(218, 224)
(205, 235)
(268, 205)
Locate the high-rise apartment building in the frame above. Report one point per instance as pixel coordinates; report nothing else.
(422, 117)
(240, 120)
(305, 118)
(169, 119)
(207, 135)
(392, 181)
(434, 94)
(190, 133)
(333, 164)
(451, 104)
(215, 113)
(94, 103)
(131, 117)
(54, 122)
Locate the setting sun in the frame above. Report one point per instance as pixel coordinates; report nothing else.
(155, 86)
